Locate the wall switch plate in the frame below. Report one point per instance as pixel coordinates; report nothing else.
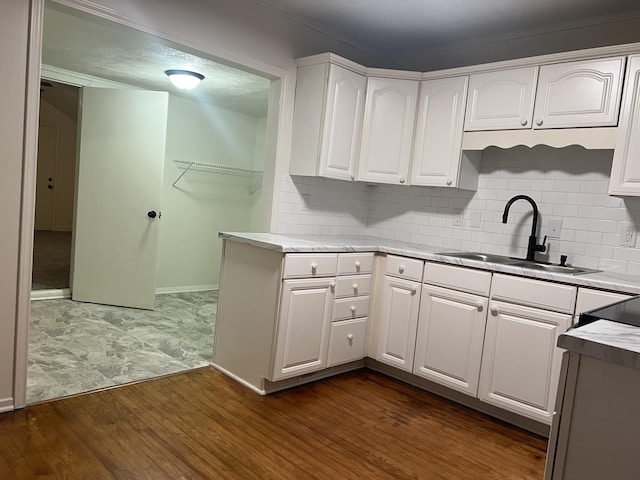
(458, 218)
(306, 201)
(628, 238)
(555, 227)
(476, 217)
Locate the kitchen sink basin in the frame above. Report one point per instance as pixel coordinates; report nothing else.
(519, 262)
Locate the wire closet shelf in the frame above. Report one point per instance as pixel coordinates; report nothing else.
(254, 175)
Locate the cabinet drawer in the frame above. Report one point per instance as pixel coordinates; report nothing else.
(535, 293)
(353, 285)
(347, 341)
(354, 307)
(458, 278)
(403, 267)
(590, 299)
(310, 265)
(354, 263)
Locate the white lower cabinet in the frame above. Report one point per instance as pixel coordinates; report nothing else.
(398, 322)
(347, 341)
(450, 335)
(520, 360)
(306, 308)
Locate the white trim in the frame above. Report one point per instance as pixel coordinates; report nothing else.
(51, 294)
(27, 211)
(603, 138)
(77, 79)
(331, 58)
(238, 379)
(6, 405)
(186, 288)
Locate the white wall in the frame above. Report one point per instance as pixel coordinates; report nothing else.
(568, 184)
(203, 202)
(14, 24)
(66, 164)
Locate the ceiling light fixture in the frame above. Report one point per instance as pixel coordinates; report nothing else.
(184, 79)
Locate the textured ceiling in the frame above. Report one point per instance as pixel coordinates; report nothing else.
(391, 27)
(113, 52)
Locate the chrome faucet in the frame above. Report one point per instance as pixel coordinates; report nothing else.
(532, 247)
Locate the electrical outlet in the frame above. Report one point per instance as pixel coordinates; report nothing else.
(555, 227)
(306, 201)
(457, 219)
(628, 238)
(476, 218)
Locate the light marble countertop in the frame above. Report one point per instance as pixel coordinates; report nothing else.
(320, 243)
(605, 340)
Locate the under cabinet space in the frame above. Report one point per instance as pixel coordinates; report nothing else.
(310, 265)
(347, 341)
(353, 285)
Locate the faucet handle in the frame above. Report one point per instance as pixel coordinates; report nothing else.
(543, 246)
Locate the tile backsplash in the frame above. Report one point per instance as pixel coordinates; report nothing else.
(568, 184)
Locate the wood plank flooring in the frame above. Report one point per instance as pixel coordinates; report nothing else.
(202, 425)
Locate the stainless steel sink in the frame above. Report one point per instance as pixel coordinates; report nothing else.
(519, 262)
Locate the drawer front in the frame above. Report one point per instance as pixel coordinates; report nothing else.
(347, 341)
(590, 299)
(346, 308)
(354, 263)
(403, 267)
(458, 278)
(535, 293)
(310, 265)
(353, 286)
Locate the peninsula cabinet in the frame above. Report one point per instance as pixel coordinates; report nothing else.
(438, 159)
(501, 100)
(327, 122)
(387, 135)
(625, 170)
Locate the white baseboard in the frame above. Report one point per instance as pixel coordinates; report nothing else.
(187, 288)
(52, 294)
(6, 405)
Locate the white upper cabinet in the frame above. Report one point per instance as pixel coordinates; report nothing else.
(579, 94)
(437, 152)
(387, 134)
(327, 124)
(501, 100)
(625, 170)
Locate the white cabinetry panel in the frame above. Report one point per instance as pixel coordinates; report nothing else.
(303, 327)
(579, 94)
(398, 322)
(347, 341)
(450, 336)
(387, 135)
(438, 138)
(501, 100)
(520, 361)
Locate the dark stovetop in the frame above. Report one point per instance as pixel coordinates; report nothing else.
(626, 311)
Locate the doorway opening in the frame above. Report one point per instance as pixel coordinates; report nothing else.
(210, 168)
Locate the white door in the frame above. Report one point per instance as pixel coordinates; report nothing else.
(438, 139)
(387, 134)
(342, 123)
(302, 337)
(398, 322)
(501, 100)
(450, 337)
(120, 166)
(579, 94)
(520, 359)
(47, 153)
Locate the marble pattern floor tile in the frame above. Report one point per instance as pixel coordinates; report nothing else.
(78, 347)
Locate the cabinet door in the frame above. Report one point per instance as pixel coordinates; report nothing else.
(303, 327)
(501, 100)
(387, 134)
(438, 138)
(450, 336)
(579, 94)
(398, 322)
(344, 110)
(625, 170)
(520, 360)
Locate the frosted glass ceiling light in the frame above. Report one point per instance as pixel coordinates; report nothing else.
(184, 79)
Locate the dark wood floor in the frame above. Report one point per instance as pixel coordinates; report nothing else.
(202, 425)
